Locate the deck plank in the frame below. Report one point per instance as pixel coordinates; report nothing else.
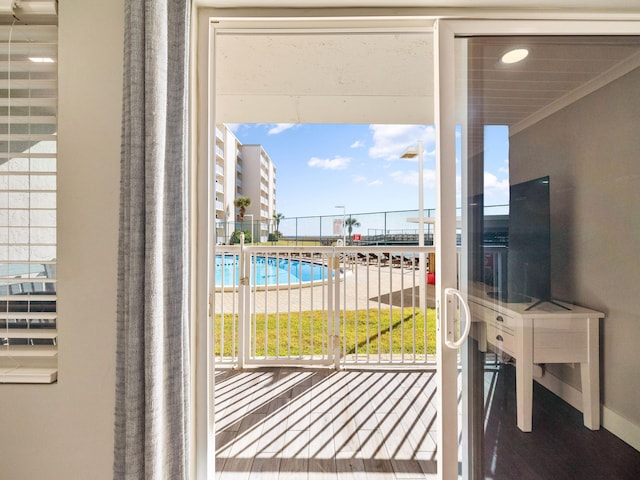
(319, 424)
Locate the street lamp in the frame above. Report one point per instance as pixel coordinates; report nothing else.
(344, 214)
(413, 152)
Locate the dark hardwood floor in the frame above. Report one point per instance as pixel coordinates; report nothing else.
(559, 447)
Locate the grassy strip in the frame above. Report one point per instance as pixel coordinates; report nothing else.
(304, 334)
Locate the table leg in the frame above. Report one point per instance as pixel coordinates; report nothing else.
(590, 378)
(524, 375)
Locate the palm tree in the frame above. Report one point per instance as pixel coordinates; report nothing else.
(276, 218)
(350, 223)
(242, 203)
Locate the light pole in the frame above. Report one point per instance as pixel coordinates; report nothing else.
(344, 215)
(413, 152)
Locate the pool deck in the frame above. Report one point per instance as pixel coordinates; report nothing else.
(365, 286)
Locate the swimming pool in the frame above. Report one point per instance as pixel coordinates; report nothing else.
(269, 271)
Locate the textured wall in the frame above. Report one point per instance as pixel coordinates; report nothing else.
(590, 149)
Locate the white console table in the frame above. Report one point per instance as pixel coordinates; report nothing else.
(544, 334)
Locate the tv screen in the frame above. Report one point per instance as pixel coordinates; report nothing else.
(529, 250)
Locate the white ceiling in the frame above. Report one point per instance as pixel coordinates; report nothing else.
(324, 78)
(338, 77)
(388, 78)
(555, 70)
(29, 12)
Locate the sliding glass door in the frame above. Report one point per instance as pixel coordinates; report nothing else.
(537, 220)
(539, 181)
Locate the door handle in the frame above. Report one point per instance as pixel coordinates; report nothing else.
(449, 338)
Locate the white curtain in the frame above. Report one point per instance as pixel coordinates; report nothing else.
(153, 354)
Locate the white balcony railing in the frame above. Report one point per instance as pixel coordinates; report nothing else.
(323, 305)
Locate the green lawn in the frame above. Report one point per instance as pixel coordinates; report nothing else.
(307, 336)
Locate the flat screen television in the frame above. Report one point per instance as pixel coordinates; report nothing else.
(529, 251)
(529, 244)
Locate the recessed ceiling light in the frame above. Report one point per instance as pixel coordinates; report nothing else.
(515, 56)
(41, 59)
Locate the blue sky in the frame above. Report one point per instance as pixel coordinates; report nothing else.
(321, 166)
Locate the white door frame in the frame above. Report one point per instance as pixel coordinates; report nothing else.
(444, 74)
(204, 97)
(445, 243)
(204, 119)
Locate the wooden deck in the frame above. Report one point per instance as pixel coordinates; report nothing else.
(321, 424)
(306, 424)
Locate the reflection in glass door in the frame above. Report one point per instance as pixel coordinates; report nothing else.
(550, 239)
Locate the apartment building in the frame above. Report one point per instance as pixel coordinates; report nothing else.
(243, 171)
(259, 184)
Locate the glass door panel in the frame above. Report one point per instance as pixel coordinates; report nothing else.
(549, 177)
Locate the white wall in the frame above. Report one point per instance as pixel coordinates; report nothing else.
(590, 150)
(65, 430)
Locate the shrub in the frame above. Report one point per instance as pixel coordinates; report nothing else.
(235, 237)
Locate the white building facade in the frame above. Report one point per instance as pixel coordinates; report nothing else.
(243, 171)
(259, 184)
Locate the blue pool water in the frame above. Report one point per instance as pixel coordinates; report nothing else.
(266, 271)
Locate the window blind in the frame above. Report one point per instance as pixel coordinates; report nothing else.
(28, 102)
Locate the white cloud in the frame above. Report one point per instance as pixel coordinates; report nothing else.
(369, 183)
(493, 185)
(337, 163)
(407, 178)
(411, 177)
(357, 144)
(280, 127)
(359, 179)
(430, 178)
(234, 127)
(390, 141)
